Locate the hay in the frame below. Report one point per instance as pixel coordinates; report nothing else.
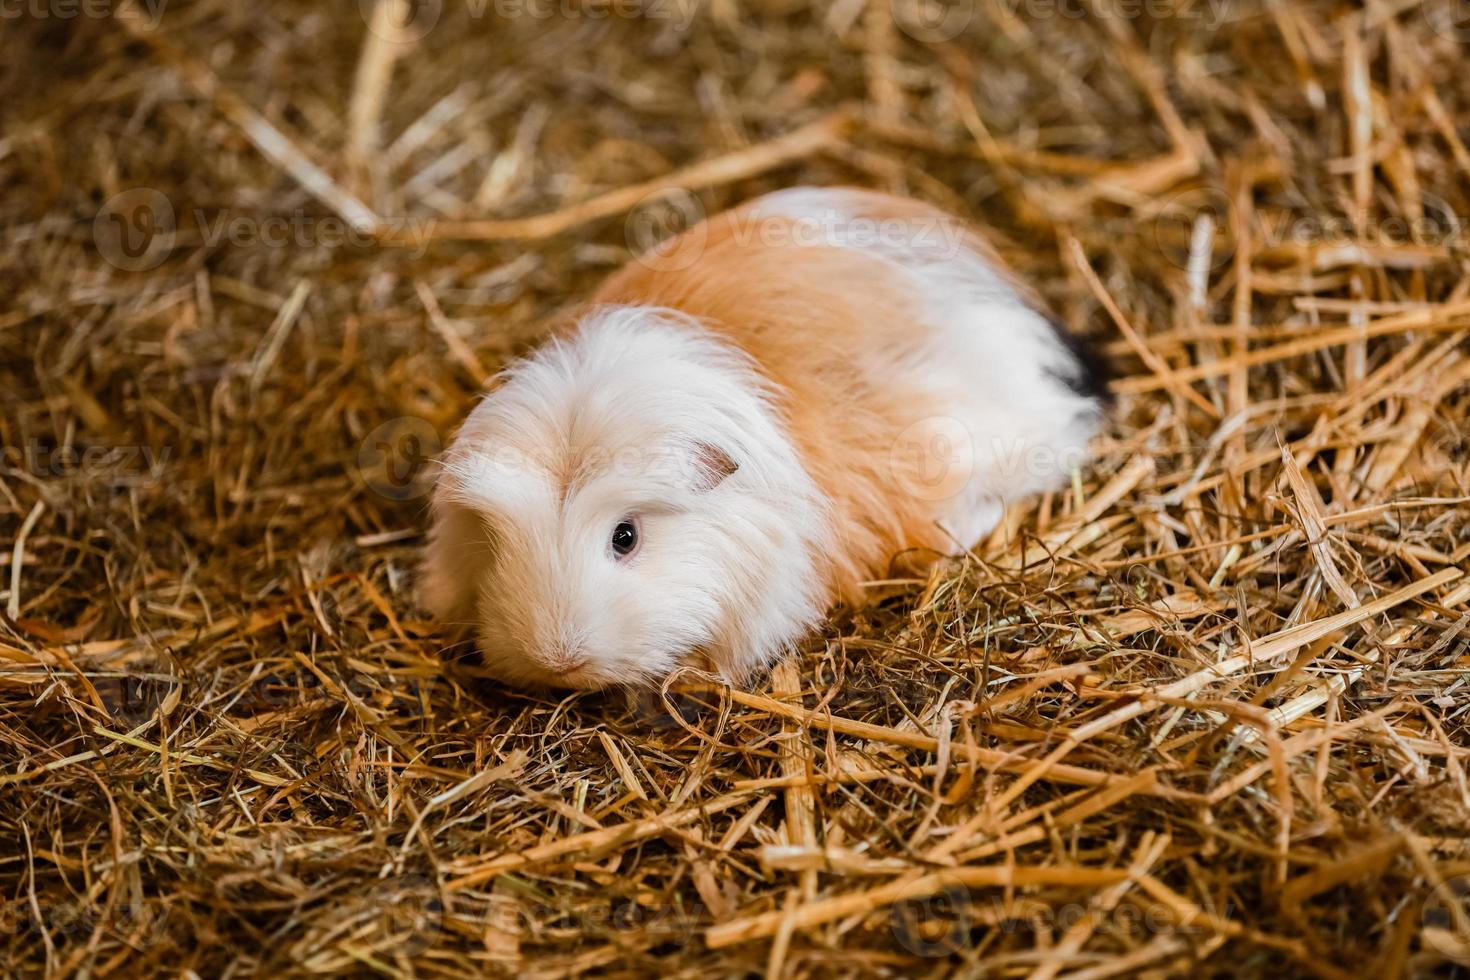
(1205, 712)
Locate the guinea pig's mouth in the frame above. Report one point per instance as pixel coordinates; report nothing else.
(574, 675)
(572, 670)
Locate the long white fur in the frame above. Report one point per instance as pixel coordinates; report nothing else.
(610, 422)
(1013, 427)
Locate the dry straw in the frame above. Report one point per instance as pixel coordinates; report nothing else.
(1204, 712)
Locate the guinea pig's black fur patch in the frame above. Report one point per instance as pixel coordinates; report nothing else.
(1092, 369)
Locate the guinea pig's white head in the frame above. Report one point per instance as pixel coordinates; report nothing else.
(623, 499)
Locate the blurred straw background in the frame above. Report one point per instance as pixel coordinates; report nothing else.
(1205, 714)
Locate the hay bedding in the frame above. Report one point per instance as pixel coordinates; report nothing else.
(1204, 714)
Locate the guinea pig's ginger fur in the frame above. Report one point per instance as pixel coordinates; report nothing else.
(846, 380)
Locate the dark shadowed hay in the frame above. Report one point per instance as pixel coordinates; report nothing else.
(1207, 712)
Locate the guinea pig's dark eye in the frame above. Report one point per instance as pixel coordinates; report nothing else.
(625, 539)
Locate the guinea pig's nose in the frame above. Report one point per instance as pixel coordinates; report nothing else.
(563, 658)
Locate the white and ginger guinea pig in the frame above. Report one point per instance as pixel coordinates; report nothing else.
(739, 430)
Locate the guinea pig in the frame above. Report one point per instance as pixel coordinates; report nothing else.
(740, 429)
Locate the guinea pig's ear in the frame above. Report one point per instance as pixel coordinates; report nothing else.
(459, 548)
(711, 466)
